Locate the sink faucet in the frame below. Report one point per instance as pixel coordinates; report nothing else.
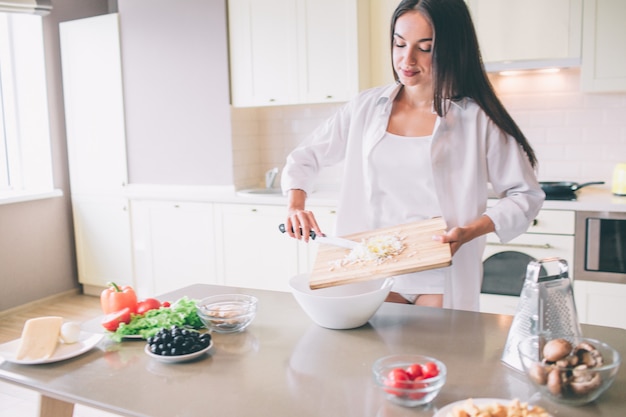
(270, 177)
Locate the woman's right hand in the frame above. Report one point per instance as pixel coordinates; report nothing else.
(299, 221)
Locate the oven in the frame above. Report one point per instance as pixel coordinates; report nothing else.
(600, 252)
(551, 234)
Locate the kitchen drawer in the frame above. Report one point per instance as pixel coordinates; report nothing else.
(601, 303)
(554, 222)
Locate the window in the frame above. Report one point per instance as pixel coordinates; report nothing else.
(25, 157)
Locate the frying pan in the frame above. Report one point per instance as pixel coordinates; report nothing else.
(564, 187)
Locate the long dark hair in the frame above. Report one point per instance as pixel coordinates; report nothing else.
(457, 65)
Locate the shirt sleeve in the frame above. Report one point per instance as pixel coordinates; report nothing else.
(512, 176)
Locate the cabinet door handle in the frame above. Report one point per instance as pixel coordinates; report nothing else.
(253, 210)
(522, 245)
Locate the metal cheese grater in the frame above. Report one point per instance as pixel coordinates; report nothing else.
(546, 306)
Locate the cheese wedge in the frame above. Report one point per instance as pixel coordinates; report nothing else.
(39, 338)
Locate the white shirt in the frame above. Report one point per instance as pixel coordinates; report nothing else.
(468, 151)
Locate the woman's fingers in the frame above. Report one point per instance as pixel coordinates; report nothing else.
(300, 223)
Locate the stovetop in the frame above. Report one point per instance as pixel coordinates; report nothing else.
(566, 197)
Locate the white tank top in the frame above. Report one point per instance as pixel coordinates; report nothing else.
(403, 191)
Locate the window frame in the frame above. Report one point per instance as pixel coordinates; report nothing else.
(25, 136)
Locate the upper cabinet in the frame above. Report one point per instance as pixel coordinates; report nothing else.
(604, 66)
(94, 105)
(528, 34)
(297, 51)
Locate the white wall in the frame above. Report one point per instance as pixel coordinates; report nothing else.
(176, 91)
(577, 137)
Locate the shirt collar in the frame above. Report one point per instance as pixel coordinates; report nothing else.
(389, 94)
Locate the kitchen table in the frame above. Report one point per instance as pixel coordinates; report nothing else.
(285, 365)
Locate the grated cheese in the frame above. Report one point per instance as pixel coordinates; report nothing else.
(377, 249)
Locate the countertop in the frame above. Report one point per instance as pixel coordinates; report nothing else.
(590, 198)
(285, 365)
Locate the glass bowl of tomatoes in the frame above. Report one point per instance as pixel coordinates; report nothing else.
(409, 380)
(227, 313)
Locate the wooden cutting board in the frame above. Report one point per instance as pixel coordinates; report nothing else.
(420, 253)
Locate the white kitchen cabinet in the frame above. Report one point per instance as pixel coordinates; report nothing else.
(94, 104)
(604, 60)
(173, 245)
(601, 303)
(334, 60)
(297, 51)
(523, 34)
(263, 52)
(103, 241)
(251, 250)
(96, 144)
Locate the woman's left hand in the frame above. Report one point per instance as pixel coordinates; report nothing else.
(457, 236)
(454, 237)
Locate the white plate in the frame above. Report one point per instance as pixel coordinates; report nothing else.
(477, 401)
(179, 358)
(86, 341)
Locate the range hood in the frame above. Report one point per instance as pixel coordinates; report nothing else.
(532, 64)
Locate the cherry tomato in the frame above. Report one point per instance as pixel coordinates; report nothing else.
(414, 370)
(147, 305)
(418, 385)
(397, 380)
(166, 304)
(112, 321)
(430, 370)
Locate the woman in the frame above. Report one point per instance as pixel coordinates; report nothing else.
(426, 146)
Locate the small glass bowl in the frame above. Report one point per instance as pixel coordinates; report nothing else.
(562, 381)
(227, 313)
(412, 393)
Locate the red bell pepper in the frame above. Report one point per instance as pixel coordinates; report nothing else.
(116, 298)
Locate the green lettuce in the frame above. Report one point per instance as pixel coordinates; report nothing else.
(182, 313)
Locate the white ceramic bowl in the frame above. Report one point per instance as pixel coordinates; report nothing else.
(341, 307)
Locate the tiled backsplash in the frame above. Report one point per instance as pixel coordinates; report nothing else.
(577, 137)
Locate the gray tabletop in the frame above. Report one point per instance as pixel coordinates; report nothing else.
(285, 365)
